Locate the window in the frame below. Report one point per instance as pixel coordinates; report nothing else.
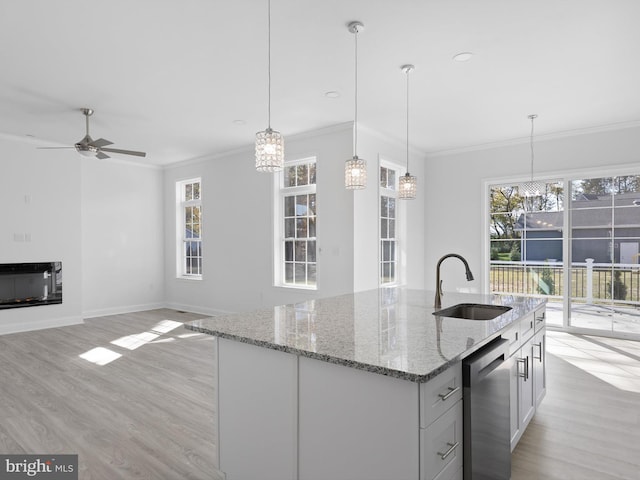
(189, 194)
(388, 241)
(577, 243)
(296, 258)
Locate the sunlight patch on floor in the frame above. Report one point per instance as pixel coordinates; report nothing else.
(100, 356)
(599, 358)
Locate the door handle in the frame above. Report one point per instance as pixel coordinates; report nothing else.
(452, 447)
(524, 374)
(539, 345)
(445, 396)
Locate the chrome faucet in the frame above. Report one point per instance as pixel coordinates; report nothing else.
(438, 301)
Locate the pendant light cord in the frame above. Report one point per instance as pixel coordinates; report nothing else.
(355, 123)
(532, 117)
(408, 72)
(269, 63)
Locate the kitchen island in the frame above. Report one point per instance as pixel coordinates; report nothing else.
(360, 386)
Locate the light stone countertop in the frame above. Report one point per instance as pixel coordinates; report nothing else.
(389, 331)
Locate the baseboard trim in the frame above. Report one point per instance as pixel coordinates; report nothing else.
(103, 312)
(30, 325)
(212, 312)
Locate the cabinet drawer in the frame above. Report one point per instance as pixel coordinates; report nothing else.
(540, 317)
(439, 394)
(441, 449)
(512, 335)
(527, 327)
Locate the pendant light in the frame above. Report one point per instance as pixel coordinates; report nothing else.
(269, 143)
(355, 169)
(408, 183)
(531, 189)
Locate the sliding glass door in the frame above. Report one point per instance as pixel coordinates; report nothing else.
(585, 258)
(605, 241)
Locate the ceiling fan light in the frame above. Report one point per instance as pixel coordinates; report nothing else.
(408, 187)
(269, 151)
(355, 173)
(86, 150)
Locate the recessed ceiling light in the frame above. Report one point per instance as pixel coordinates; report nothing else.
(332, 94)
(463, 57)
(239, 122)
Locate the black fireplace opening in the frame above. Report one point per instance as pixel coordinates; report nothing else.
(30, 284)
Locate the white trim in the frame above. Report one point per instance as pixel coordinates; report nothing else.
(250, 149)
(518, 141)
(103, 312)
(30, 325)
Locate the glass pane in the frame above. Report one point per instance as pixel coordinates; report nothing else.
(311, 251)
(290, 228)
(300, 273)
(392, 229)
(383, 177)
(392, 272)
(288, 251)
(301, 205)
(312, 227)
(384, 228)
(188, 215)
(290, 176)
(289, 206)
(196, 191)
(386, 272)
(392, 207)
(301, 228)
(386, 251)
(288, 272)
(301, 251)
(312, 204)
(591, 193)
(311, 274)
(384, 209)
(312, 173)
(391, 179)
(302, 175)
(392, 251)
(188, 192)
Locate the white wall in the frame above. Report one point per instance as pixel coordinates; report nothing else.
(40, 196)
(122, 237)
(238, 228)
(375, 148)
(455, 197)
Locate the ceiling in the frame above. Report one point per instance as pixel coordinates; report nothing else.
(182, 79)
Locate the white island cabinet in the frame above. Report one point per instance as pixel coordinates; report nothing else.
(363, 386)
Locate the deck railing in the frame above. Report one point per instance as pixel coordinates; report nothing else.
(590, 282)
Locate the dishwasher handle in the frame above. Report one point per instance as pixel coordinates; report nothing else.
(484, 361)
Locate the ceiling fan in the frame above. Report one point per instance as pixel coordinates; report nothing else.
(96, 148)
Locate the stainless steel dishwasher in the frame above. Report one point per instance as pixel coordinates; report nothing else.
(487, 442)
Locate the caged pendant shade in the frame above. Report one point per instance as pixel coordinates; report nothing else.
(355, 169)
(269, 143)
(408, 187)
(531, 189)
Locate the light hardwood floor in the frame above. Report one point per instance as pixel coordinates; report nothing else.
(149, 413)
(588, 425)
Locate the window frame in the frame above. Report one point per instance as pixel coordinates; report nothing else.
(280, 240)
(394, 240)
(181, 225)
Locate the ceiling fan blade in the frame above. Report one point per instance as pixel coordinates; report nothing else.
(125, 152)
(51, 148)
(102, 156)
(101, 142)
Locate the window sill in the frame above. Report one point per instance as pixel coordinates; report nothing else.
(189, 278)
(298, 287)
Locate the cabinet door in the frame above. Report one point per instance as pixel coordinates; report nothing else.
(539, 366)
(514, 387)
(441, 446)
(525, 393)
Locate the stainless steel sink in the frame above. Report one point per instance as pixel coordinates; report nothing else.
(473, 311)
